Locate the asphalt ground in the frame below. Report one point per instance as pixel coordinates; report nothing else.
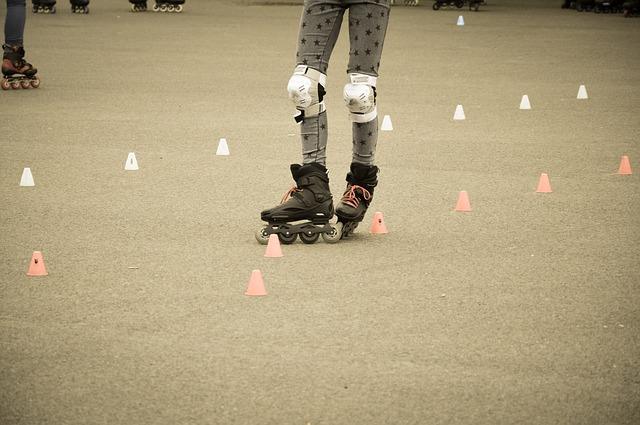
(523, 311)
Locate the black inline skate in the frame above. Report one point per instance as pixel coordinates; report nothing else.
(631, 8)
(17, 72)
(44, 6)
(447, 3)
(361, 181)
(80, 6)
(305, 209)
(168, 6)
(138, 5)
(585, 5)
(608, 6)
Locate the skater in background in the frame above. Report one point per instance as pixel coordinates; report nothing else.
(319, 29)
(16, 71)
(49, 6)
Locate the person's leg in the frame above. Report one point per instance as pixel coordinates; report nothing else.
(319, 28)
(14, 23)
(311, 198)
(368, 22)
(16, 71)
(367, 30)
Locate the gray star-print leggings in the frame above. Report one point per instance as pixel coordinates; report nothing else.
(319, 29)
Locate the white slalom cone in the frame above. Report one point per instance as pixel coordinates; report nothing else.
(386, 124)
(459, 114)
(524, 103)
(460, 21)
(27, 178)
(223, 147)
(132, 162)
(582, 92)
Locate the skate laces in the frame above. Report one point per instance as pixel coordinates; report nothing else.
(350, 196)
(289, 194)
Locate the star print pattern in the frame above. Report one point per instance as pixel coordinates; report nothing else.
(320, 26)
(319, 30)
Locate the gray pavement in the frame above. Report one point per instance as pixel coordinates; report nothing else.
(524, 311)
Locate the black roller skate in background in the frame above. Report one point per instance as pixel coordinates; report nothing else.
(608, 6)
(631, 8)
(305, 210)
(17, 73)
(168, 6)
(361, 181)
(448, 3)
(80, 6)
(138, 5)
(44, 6)
(585, 5)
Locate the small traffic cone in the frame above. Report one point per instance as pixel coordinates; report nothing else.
(386, 124)
(223, 148)
(524, 103)
(458, 115)
(543, 184)
(460, 22)
(377, 225)
(463, 204)
(36, 266)
(582, 92)
(132, 162)
(27, 178)
(625, 166)
(256, 285)
(273, 247)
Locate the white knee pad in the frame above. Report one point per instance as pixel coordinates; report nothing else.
(360, 97)
(306, 91)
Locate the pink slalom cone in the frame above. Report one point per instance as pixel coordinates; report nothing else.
(255, 288)
(273, 247)
(36, 267)
(625, 166)
(377, 225)
(543, 184)
(463, 204)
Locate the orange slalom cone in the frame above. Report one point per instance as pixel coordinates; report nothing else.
(377, 225)
(36, 267)
(463, 204)
(543, 184)
(256, 285)
(273, 247)
(625, 166)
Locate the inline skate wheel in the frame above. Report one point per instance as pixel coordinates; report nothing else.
(35, 83)
(436, 6)
(170, 8)
(15, 85)
(262, 236)
(156, 8)
(285, 235)
(25, 84)
(163, 8)
(335, 235)
(308, 235)
(178, 8)
(459, 4)
(5, 84)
